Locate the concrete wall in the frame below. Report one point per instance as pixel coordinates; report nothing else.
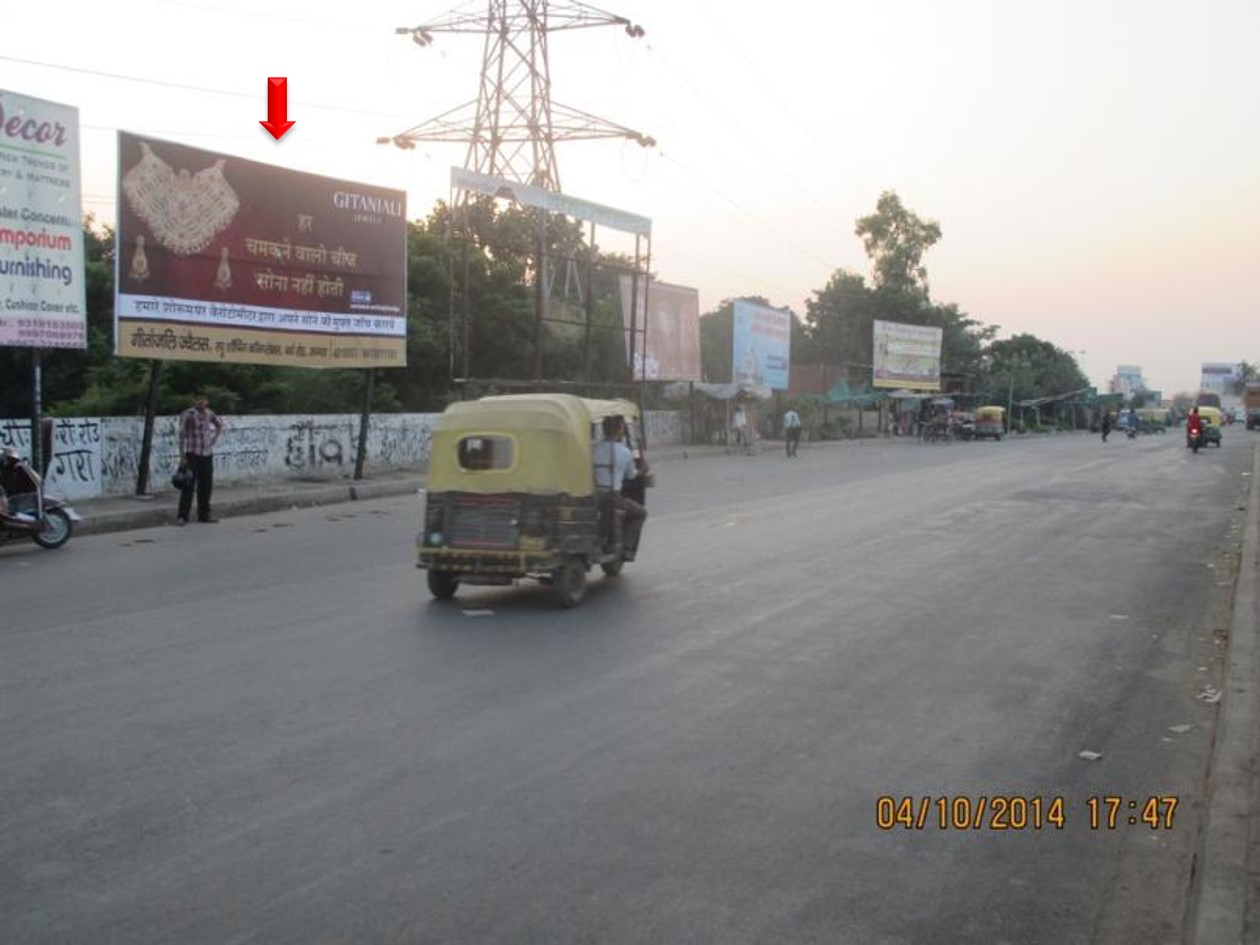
(100, 456)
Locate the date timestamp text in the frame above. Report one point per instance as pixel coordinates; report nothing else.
(1022, 812)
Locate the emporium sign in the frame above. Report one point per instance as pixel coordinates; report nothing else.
(42, 303)
(223, 259)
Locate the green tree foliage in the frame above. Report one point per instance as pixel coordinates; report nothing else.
(1247, 373)
(717, 337)
(895, 240)
(840, 317)
(1026, 368)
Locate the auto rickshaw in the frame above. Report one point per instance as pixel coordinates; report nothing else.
(511, 494)
(1211, 419)
(990, 421)
(1152, 420)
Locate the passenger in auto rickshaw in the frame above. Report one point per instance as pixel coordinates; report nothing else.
(617, 470)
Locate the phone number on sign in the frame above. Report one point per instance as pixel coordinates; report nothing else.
(1021, 812)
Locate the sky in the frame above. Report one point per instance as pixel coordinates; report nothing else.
(1094, 165)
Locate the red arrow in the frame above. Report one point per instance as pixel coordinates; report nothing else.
(277, 107)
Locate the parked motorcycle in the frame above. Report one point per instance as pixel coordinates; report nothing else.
(26, 511)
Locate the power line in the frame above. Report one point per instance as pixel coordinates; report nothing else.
(752, 143)
(252, 96)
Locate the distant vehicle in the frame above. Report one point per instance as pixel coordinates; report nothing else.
(1153, 419)
(1208, 399)
(1211, 415)
(989, 421)
(1251, 406)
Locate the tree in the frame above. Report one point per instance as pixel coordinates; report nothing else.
(895, 240)
(1026, 367)
(1247, 373)
(963, 342)
(838, 320)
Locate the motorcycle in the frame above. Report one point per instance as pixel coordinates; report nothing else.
(1196, 439)
(26, 511)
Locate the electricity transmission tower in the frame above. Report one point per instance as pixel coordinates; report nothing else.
(512, 128)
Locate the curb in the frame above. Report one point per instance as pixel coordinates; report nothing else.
(159, 512)
(1221, 904)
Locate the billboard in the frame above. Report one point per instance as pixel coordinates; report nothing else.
(41, 225)
(223, 259)
(1219, 377)
(667, 346)
(907, 356)
(761, 351)
(531, 196)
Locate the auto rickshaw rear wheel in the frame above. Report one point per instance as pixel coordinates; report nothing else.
(568, 582)
(443, 584)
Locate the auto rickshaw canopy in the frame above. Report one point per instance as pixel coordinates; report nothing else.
(551, 436)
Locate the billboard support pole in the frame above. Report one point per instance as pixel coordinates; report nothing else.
(37, 396)
(146, 438)
(467, 325)
(634, 305)
(647, 286)
(540, 288)
(590, 306)
(364, 417)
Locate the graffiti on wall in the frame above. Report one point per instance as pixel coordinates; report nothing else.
(315, 445)
(74, 470)
(96, 457)
(665, 427)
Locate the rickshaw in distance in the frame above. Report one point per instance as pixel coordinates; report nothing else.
(511, 494)
(990, 421)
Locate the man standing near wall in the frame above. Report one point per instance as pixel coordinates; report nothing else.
(199, 429)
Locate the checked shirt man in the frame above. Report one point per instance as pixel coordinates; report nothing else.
(199, 429)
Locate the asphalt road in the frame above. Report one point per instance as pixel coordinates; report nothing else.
(264, 731)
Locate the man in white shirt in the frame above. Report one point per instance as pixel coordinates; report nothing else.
(791, 431)
(739, 424)
(614, 466)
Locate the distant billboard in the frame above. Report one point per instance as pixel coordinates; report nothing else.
(667, 330)
(761, 352)
(41, 225)
(1218, 377)
(907, 356)
(223, 259)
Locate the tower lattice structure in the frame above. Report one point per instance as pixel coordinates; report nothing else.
(512, 127)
